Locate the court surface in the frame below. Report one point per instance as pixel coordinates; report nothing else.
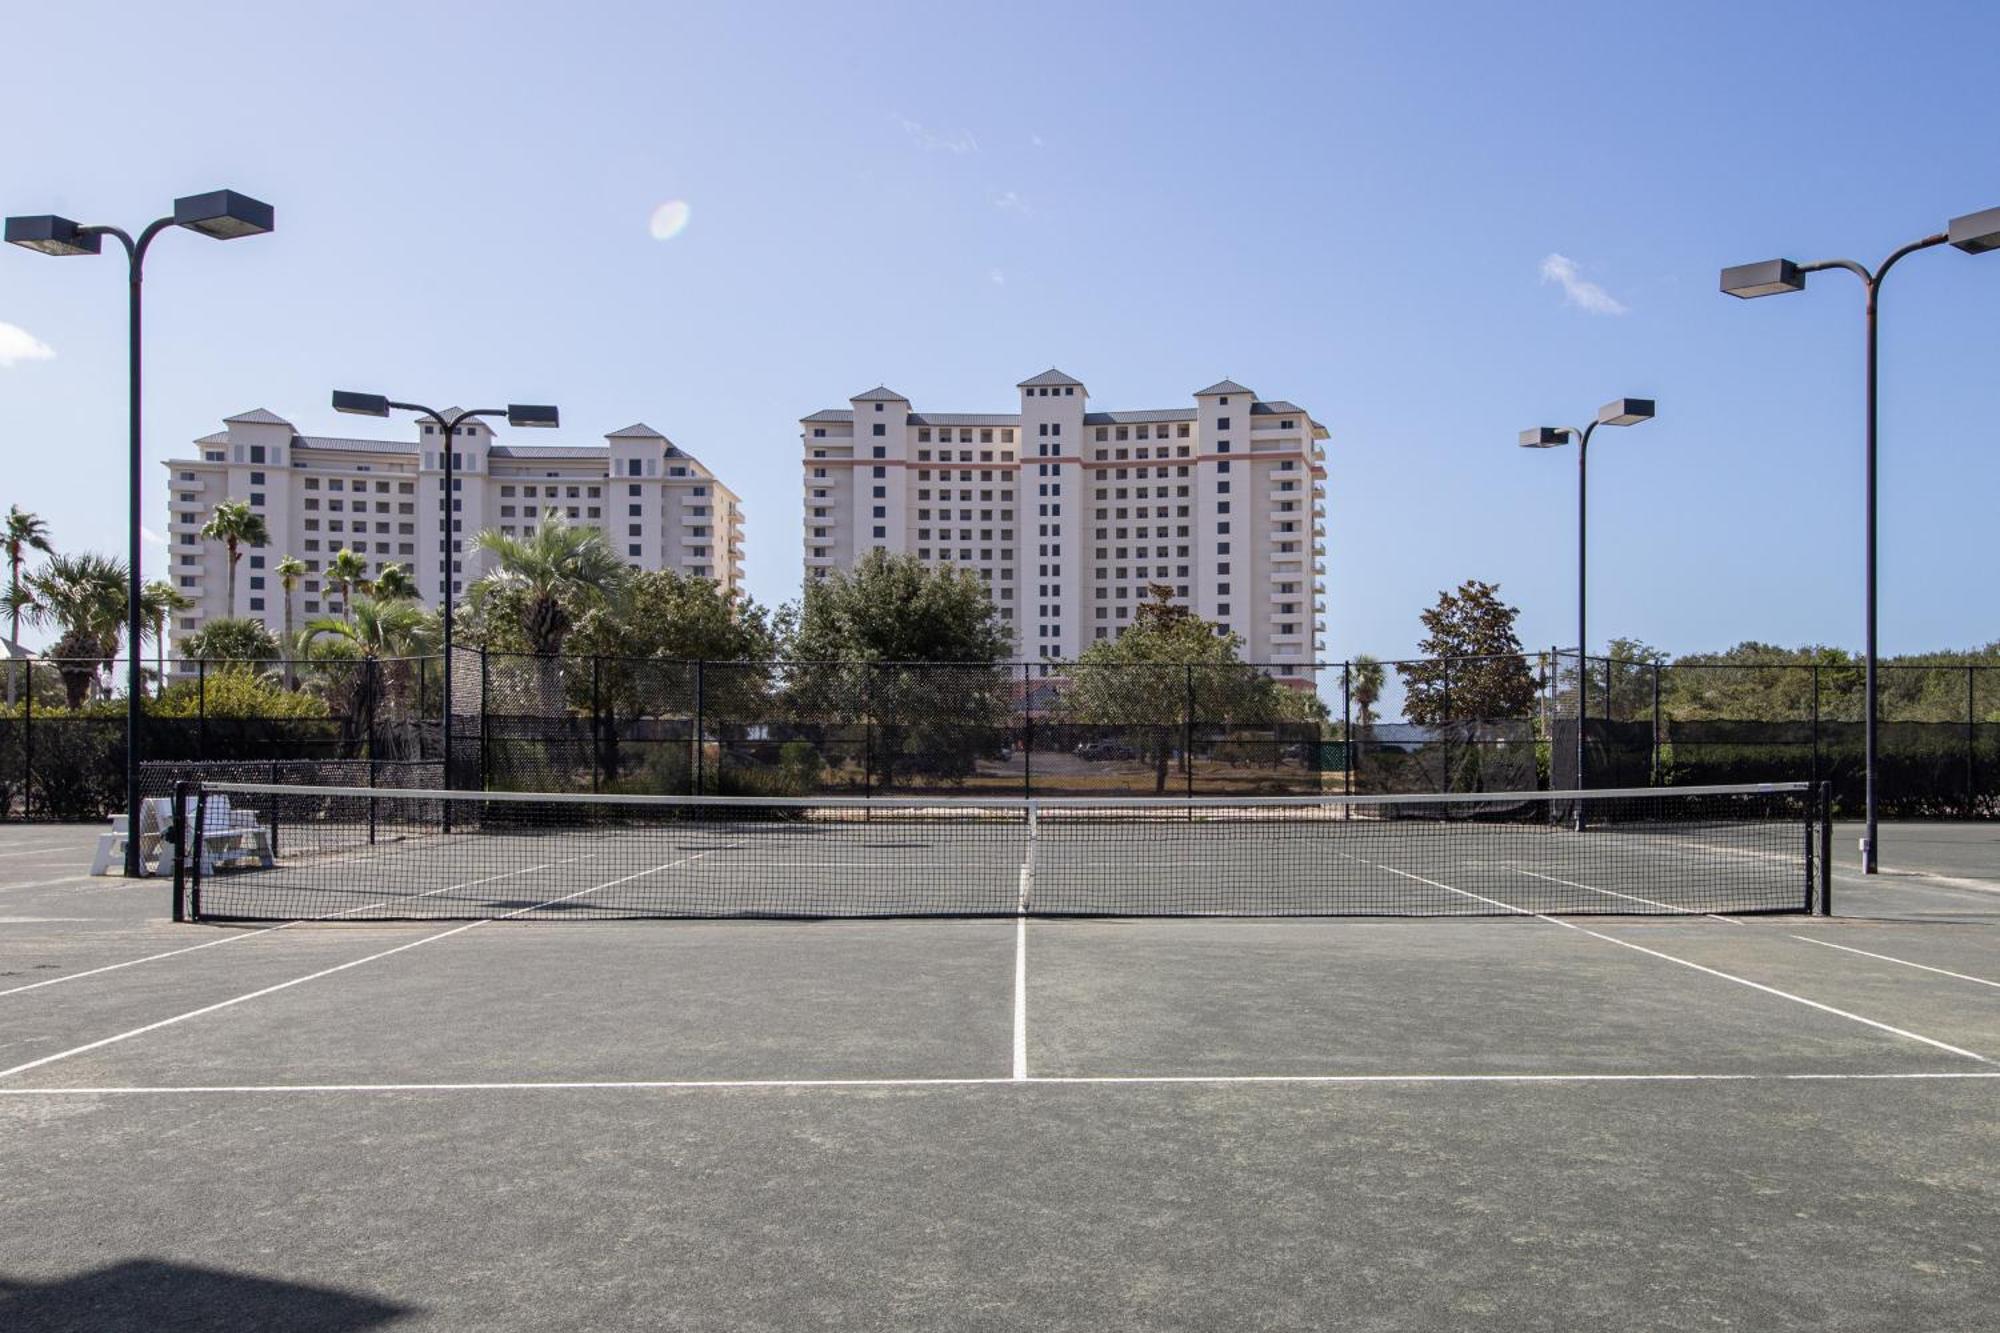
(1515, 1122)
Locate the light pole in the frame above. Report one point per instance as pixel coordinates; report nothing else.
(223, 215)
(1974, 233)
(517, 414)
(1617, 412)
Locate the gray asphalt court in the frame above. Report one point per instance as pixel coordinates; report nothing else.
(1519, 1120)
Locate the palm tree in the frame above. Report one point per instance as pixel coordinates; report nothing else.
(347, 571)
(84, 595)
(235, 524)
(158, 600)
(381, 637)
(394, 583)
(289, 571)
(1366, 688)
(544, 582)
(24, 532)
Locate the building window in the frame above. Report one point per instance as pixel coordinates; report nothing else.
(880, 429)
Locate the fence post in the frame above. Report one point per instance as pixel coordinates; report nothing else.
(867, 734)
(595, 719)
(201, 710)
(1825, 793)
(1815, 769)
(1027, 732)
(28, 745)
(1971, 740)
(1187, 734)
(178, 837)
(700, 690)
(1656, 724)
(1350, 750)
(485, 726)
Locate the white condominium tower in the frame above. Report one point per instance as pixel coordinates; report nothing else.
(1068, 515)
(657, 506)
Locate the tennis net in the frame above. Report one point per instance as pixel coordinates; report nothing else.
(279, 852)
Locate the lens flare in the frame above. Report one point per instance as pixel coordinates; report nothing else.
(669, 220)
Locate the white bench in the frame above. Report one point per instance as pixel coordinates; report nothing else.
(229, 836)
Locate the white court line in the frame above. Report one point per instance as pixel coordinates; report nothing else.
(1049, 1080)
(1020, 998)
(1926, 967)
(1628, 897)
(66, 879)
(327, 972)
(252, 934)
(1683, 962)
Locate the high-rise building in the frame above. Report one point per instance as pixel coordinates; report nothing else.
(1070, 515)
(657, 506)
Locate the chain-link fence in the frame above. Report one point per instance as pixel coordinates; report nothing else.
(1495, 723)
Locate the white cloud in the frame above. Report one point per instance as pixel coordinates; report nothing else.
(952, 141)
(996, 277)
(1577, 290)
(151, 538)
(1010, 201)
(1035, 139)
(18, 345)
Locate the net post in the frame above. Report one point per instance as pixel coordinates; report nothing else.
(1026, 901)
(178, 838)
(1826, 849)
(192, 852)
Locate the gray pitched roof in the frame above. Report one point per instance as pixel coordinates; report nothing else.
(355, 446)
(1222, 386)
(258, 417)
(1142, 416)
(880, 393)
(637, 430)
(217, 437)
(1049, 377)
(830, 414)
(583, 451)
(1278, 407)
(965, 418)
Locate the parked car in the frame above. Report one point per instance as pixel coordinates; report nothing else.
(1101, 750)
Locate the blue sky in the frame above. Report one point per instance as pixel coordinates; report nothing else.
(1353, 207)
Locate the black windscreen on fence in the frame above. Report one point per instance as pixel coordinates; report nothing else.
(1029, 730)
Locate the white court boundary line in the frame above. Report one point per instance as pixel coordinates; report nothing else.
(1052, 1080)
(1732, 921)
(356, 962)
(266, 930)
(1925, 967)
(1687, 963)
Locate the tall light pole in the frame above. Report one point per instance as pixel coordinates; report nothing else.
(1617, 412)
(223, 215)
(1975, 234)
(517, 414)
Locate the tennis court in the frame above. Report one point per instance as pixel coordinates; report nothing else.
(1550, 1114)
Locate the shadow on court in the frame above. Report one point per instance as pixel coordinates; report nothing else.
(153, 1296)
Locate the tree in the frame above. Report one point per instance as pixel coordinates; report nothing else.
(1169, 670)
(84, 595)
(394, 583)
(236, 525)
(543, 582)
(539, 585)
(347, 571)
(894, 608)
(232, 639)
(24, 532)
(644, 639)
(870, 647)
(1365, 682)
(1474, 668)
(374, 641)
(289, 570)
(158, 600)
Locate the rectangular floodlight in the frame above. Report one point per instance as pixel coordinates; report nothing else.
(1769, 278)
